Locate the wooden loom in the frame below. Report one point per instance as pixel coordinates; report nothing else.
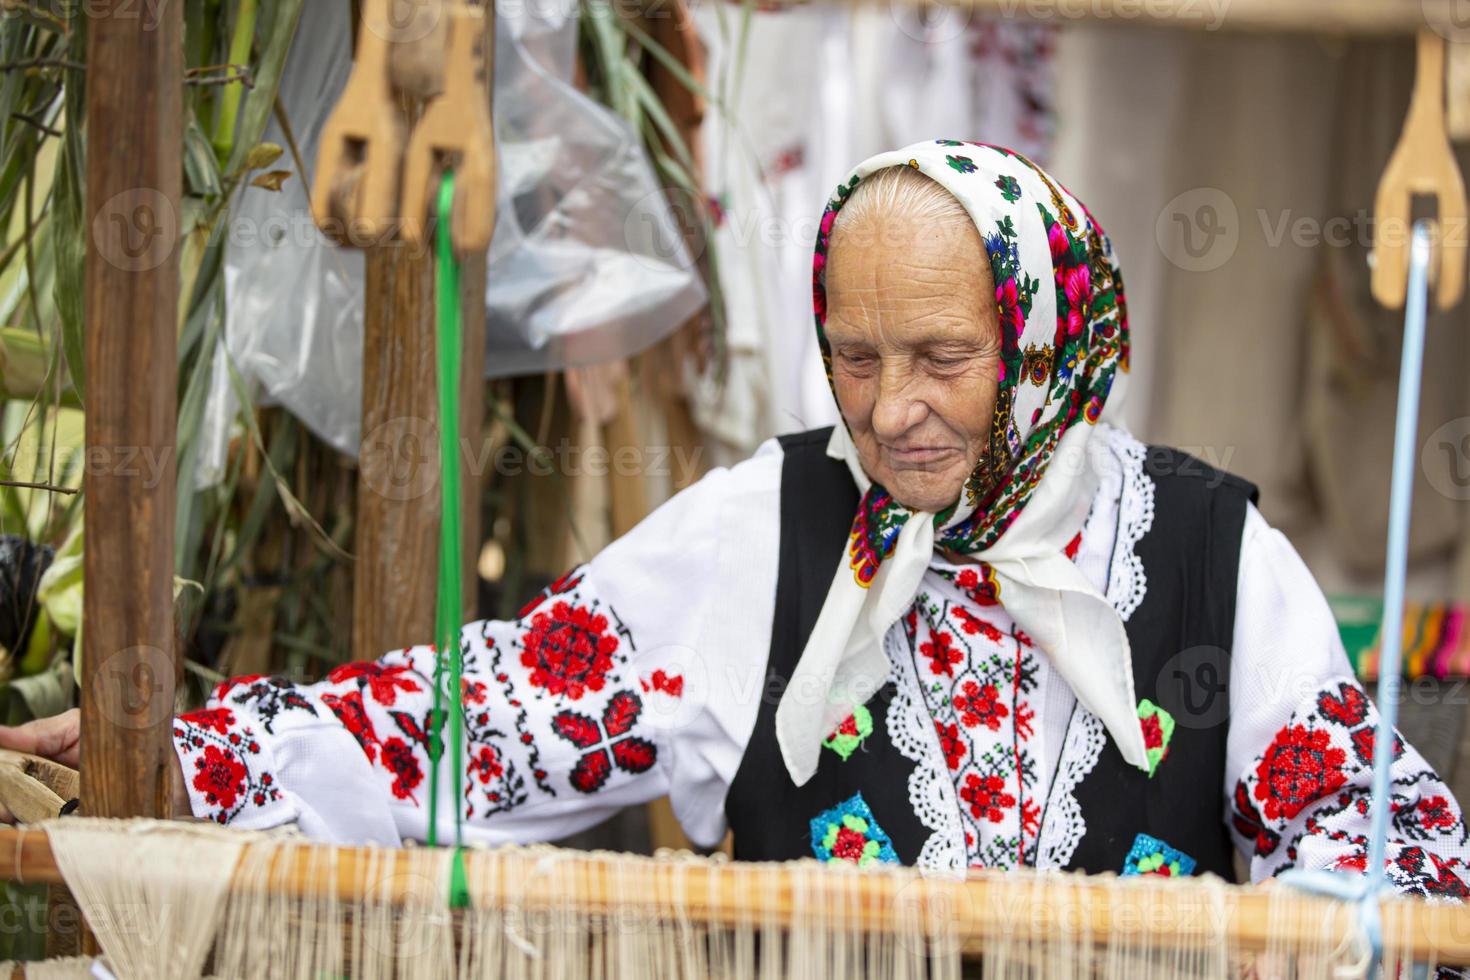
(1100, 925)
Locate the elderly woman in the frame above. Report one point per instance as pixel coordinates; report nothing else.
(974, 625)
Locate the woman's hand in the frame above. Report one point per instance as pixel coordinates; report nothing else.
(58, 738)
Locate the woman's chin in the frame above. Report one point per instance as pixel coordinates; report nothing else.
(925, 494)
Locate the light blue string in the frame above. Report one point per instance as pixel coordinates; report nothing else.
(1366, 888)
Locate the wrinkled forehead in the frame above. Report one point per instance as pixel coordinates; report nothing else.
(927, 285)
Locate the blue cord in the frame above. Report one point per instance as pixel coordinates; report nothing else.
(1365, 889)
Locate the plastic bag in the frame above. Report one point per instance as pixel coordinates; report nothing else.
(587, 263)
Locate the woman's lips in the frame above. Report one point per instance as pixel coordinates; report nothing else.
(916, 456)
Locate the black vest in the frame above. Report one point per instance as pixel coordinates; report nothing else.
(1180, 636)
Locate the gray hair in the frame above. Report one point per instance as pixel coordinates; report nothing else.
(899, 191)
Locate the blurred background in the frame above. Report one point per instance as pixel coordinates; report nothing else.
(662, 169)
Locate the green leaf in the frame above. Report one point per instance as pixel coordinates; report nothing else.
(262, 155)
(201, 169)
(274, 46)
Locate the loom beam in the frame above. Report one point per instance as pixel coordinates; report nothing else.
(1148, 911)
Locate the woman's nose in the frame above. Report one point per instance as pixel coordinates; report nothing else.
(896, 409)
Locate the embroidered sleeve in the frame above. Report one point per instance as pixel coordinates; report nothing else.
(635, 676)
(560, 729)
(1304, 802)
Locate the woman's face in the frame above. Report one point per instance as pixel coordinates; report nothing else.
(915, 345)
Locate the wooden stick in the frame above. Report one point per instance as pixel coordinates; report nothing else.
(1179, 913)
(134, 182)
(33, 788)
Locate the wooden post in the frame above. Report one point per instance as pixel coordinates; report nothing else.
(398, 511)
(398, 475)
(134, 181)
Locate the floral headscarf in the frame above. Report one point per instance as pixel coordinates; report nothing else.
(1064, 345)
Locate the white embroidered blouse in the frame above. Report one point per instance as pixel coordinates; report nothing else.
(640, 674)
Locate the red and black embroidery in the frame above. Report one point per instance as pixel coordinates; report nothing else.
(491, 775)
(1314, 781)
(981, 586)
(1300, 766)
(663, 682)
(609, 742)
(569, 650)
(565, 584)
(941, 653)
(1347, 706)
(220, 751)
(400, 755)
(266, 697)
(380, 680)
(522, 727)
(353, 715)
(1247, 822)
(1423, 872)
(1364, 739)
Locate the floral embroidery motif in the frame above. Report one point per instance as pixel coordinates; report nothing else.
(850, 734)
(569, 650)
(987, 797)
(220, 751)
(975, 677)
(1312, 786)
(849, 832)
(1010, 189)
(609, 742)
(382, 684)
(1158, 729)
(981, 587)
(267, 697)
(1300, 766)
(941, 653)
(382, 681)
(962, 164)
(1151, 856)
(491, 775)
(981, 706)
(352, 714)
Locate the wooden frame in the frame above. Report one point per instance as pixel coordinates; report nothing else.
(129, 659)
(727, 894)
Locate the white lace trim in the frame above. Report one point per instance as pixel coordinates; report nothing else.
(911, 726)
(931, 792)
(1127, 582)
(1063, 825)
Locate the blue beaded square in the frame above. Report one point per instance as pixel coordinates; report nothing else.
(849, 832)
(1151, 856)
